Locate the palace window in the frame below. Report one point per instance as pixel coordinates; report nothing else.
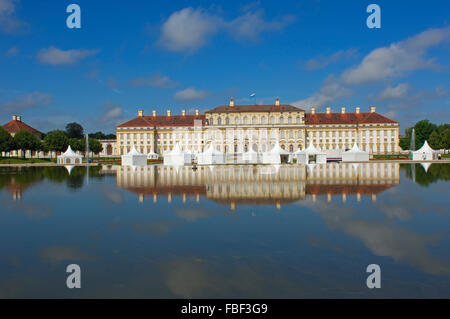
(272, 120)
(298, 120)
(254, 121)
(219, 121)
(281, 120)
(290, 120)
(227, 121)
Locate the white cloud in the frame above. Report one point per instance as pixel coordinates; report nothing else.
(112, 112)
(157, 80)
(190, 94)
(9, 23)
(323, 61)
(251, 24)
(55, 56)
(25, 102)
(330, 91)
(396, 92)
(13, 51)
(189, 29)
(397, 59)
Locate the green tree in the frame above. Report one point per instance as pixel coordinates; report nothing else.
(27, 141)
(423, 131)
(56, 141)
(445, 139)
(95, 146)
(405, 142)
(77, 144)
(74, 130)
(6, 141)
(435, 140)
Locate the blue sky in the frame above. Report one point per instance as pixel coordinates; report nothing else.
(185, 55)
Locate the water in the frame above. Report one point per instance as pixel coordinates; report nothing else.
(226, 232)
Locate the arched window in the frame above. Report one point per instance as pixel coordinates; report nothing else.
(290, 120)
(263, 120)
(245, 120)
(298, 120)
(281, 120)
(236, 121)
(227, 121)
(219, 121)
(254, 121)
(291, 148)
(272, 120)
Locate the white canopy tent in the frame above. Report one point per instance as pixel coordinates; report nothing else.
(211, 156)
(70, 157)
(250, 157)
(152, 156)
(177, 157)
(276, 155)
(355, 155)
(310, 155)
(134, 158)
(425, 153)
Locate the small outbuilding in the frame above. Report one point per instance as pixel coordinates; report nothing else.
(355, 155)
(70, 157)
(177, 157)
(425, 153)
(134, 158)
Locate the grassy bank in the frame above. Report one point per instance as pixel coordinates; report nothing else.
(25, 161)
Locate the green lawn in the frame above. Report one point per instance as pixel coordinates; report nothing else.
(24, 161)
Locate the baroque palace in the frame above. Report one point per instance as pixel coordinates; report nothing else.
(235, 128)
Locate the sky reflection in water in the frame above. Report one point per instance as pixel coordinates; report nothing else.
(231, 231)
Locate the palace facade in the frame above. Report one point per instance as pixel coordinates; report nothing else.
(235, 128)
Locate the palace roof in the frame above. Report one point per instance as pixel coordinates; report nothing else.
(346, 118)
(15, 126)
(254, 108)
(163, 120)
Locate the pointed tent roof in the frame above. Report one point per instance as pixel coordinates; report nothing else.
(70, 153)
(278, 150)
(355, 149)
(134, 151)
(152, 154)
(426, 148)
(176, 150)
(212, 150)
(310, 150)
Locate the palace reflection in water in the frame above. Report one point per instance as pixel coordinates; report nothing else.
(272, 185)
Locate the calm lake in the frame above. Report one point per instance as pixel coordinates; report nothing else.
(226, 232)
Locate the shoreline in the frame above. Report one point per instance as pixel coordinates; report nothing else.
(442, 161)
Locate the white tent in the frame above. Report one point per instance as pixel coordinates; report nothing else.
(177, 157)
(134, 158)
(250, 157)
(425, 153)
(355, 155)
(211, 156)
(70, 157)
(274, 155)
(152, 156)
(310, 154)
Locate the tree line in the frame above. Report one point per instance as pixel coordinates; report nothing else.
(438, 136)
(54, 141)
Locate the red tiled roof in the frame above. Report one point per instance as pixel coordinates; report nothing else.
(162, 120)
(254, 108)
(15, 126)
(347, 118)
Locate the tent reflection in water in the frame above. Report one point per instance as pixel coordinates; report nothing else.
(211, 156)
(134, 158)
(355, 155)
(425, 153)
(310, 155)
(177, 157)
(276, 155)
(70, 157)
